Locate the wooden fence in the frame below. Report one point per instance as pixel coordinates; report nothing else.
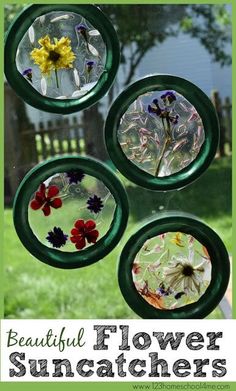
(53, 138)
(25, 146)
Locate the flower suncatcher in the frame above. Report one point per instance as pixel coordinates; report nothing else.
(173, 267)
(63, 64)
(70, 211)
(71, 215)
(162, 132)
(174, 270)
(61, 57)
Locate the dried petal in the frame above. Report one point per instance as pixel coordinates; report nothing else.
(78, 93)
(93, 33)
(43, 86)
(180, 144)
(76, 77)
(42, 19)
(31, 34)
(62, 17)
(92, 50)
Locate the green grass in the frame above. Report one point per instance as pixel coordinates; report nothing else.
(35, 290)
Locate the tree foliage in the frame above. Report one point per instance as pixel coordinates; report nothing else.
(145, 26)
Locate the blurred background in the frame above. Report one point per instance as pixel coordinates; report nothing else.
(191, 41)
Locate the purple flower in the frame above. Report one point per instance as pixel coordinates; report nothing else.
(168, 97)
(174, 119)
(154, 110)
(81, 28)
(57, 237)
(28, 74)
(75, 176)
(162, 292)
(90, 65)
(95, 204)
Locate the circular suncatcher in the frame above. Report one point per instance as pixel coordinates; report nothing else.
(70, 212)
(61, 58)
(162, 132)
(174, 267)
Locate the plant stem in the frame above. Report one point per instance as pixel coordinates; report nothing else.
(56, 78)
(166, 143)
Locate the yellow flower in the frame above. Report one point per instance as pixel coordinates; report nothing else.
(177, 239)
(53, 56)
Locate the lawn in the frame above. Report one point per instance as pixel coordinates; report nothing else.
(35, 290)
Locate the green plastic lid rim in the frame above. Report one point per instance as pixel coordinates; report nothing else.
(27, 92)
(92, 254)
(175, 222)
(205, 109)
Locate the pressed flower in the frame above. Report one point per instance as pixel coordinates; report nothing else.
(151, 297)
(136, 269)
(168, 97)
(83, 31)
(90, 65)
(174, 119)
(46, 198)
(162, 291)
(84, 231)
(155, 108)
(28, 74)
(81, 28)
(182, 273)
(53, 56)
(57, 237)
(95, 204)
(75, 176)
(205, 252)
(177, 239)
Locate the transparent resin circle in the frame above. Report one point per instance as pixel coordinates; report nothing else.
(172, 270)
(173, 267)
(71, 211)
(62, 55)
(161, 133)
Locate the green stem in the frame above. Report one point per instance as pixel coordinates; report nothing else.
(161, 157)
(166, 143)
(56, 78)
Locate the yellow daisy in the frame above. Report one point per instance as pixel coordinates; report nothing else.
(53, 56)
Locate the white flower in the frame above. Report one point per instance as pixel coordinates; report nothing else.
(182, 274)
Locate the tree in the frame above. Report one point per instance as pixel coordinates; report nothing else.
(142, 27)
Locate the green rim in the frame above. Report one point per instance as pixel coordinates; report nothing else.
(63, 106)
(176, 222)
(53, 257)
(204, 108)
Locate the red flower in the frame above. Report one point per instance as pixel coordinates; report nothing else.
(44, 198)
(84, 231)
